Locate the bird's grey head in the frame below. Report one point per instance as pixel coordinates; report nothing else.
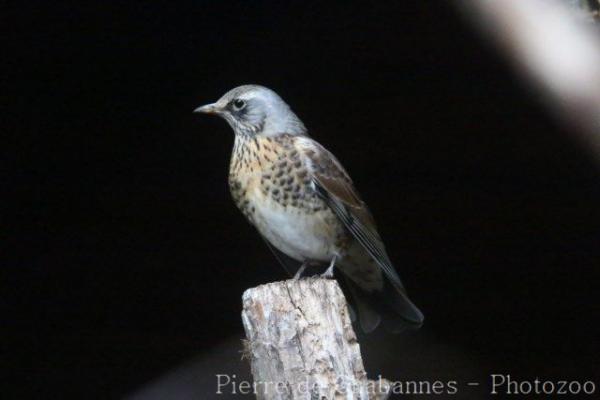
(255, 110)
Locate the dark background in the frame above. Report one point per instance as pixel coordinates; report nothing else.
(125, 256)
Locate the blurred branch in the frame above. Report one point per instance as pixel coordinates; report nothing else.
(555, 44)
(587, 8)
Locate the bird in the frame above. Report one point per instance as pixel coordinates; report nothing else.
(304, 204)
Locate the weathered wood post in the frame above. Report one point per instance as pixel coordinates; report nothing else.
(301, 343)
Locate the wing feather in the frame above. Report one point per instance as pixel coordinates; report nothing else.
(334, 185)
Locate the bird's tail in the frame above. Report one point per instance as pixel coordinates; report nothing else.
(389, 307)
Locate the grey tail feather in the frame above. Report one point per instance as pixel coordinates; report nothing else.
(389, 307)
(368, 318)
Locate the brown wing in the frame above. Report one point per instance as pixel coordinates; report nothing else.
(334, 185)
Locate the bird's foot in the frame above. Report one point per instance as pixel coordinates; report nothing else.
(329, 273)
(300, 271)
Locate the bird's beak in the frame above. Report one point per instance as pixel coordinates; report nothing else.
(208, 109)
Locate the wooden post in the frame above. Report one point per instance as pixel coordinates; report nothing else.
(301, 343)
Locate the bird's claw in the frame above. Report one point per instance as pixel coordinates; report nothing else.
(300, 272)
(328, 274)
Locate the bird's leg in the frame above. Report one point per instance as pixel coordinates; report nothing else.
(329, 273)
(301, 270)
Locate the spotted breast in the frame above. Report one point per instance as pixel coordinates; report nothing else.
(271, 186)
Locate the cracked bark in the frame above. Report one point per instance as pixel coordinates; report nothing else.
(301, 343)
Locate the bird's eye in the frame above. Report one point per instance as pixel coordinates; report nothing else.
(238, 104)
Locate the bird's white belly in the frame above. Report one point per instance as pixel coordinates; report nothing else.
(300, 235)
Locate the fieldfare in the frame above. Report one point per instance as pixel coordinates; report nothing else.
(304, 204)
